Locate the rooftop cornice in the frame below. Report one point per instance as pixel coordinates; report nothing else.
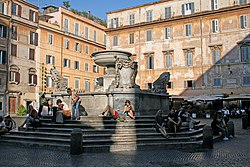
(139, 6)
(180, 17)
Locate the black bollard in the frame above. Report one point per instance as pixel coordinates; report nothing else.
(230, 127)
(244, 121)
(208, 137)
(76, 142)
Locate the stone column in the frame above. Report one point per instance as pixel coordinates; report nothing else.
(207, 137)
(76, 141)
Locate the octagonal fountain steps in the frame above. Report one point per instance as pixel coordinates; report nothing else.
(101, 134)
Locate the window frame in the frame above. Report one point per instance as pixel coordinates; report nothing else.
(215, 26)
(149, 36)
(188, 29)
(149, 15)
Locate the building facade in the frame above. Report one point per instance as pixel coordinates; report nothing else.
(4, 25)
(19, 23)
(66, 42)
(205, 45)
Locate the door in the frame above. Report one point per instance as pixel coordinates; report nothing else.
(12, 105)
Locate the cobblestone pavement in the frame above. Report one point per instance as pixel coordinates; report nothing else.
(232, 153)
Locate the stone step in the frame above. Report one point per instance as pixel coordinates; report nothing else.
(142, 146)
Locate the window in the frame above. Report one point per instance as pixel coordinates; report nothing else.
(216, 55)
(114, 22)
(189, 84)
(50, 59)
(188, 28)
(131, 38)
(67, 63)
(13, 50)
(87, 49)
(168, 60)
(78, 47)
(95, 69)
(95, 35)
(86, 32)
(32, 76)
(66, 81)
(168, 12)
(243, 2)
(243, 21)
(2, 57)
(105, 39)
(149, 15)
(188, 8)
(14, 74)
(170, 85)
(87, 85)
(131, 19)
(215, 26)
(77, 83)
(246, 80)
(50, 39)
(214, 4)
(245, 52)
(217, 81)
(14, 32)
(76, 65)
(189, 58)
(33, 38)
(76, 28)
(66, 25)
(150, 61)
(32, 54)
(149, 35)
(2, 7)
(1, 105)
(86, 67)
(33, 16)
(16, 9)
(115, 40)
(168, 33)
(49, 82)
(3, 31)
(66, 43)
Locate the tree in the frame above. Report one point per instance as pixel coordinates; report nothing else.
(66, 4)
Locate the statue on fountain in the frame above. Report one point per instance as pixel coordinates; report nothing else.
(60, 83)
(159, 86)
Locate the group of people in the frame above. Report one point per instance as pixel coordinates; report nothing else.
(174, 120)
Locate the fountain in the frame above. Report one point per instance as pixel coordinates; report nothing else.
(119, 85)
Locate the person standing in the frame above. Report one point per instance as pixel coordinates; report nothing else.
(76, 101)
(226, 114)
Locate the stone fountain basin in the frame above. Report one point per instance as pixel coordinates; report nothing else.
(108, 58)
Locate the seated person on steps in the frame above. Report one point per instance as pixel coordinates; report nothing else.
(62, 109)
(160, 123)
(9, 123)
(32, 118)
(3, 128)
(129, 109)
(218, 125)
(186, 119)
(174, 121)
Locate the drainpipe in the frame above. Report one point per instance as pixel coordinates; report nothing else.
(8, 62)
(202, 72)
